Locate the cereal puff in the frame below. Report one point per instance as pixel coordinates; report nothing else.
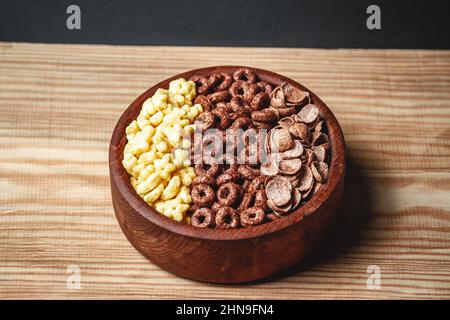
(156, 155)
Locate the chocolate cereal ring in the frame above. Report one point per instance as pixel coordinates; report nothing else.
(260, 101)
(253, 90)
(201, 83)
(252, 216)
(265, 86)
(242, 123)
(222, 105)
(203, 169)
(286, 112)
(204, 101)
(262, 125)
(228, 194)
(203, 218)
(248, 172)
(242, 113)
(237, 103)
(203, 195)
(220, 81)
(205, 121)
(261, 200)
(227, 218)
(204, 179)
(246, 202)
(222, 113)
(256, 184)
(265, 115)
(238, 88)
(230, 176)
(219, 96)
(245, 74)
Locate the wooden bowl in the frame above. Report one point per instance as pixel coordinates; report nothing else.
(218, 255)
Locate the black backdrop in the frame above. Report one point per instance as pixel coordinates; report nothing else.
(279, 23)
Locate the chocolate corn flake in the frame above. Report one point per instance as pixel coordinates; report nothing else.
(308, 114)
(280, 139)
(298, 148)
(319, 171)
(278, 191)
(295, 152)
(290, 166)
(293, 96)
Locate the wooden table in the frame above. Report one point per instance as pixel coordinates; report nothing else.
(59, 104)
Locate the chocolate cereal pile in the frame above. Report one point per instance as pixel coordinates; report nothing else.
(272, 156)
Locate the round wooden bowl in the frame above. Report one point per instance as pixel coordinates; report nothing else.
(234, 255)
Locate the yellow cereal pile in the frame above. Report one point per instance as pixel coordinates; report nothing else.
(157, 153)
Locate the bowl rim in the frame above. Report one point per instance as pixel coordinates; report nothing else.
(120, 177)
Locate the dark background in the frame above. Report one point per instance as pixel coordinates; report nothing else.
(276, 23)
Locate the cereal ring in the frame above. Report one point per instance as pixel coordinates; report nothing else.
(238, 103)
(204, 101)
(265, 115)
(227, 218)
(252, 216)
(242, 112)
(260, 101)
(203, 218)
(201, 83)
(230, 176)
(248, 172)
(256, 184)
(245, 74)
(220, 81)
(238, 88)
(224, 117)
(203, 195)
(204, 179)
(286, 112)
(265, 86)
(222, 105)
(261, 200)
(219, 96)
(246, 202)
(253, 90)
(242, 123)
(228, 194)
(262, 125)
(203, 169)
(205, 121)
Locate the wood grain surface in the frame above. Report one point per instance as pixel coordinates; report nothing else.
(59, 105)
